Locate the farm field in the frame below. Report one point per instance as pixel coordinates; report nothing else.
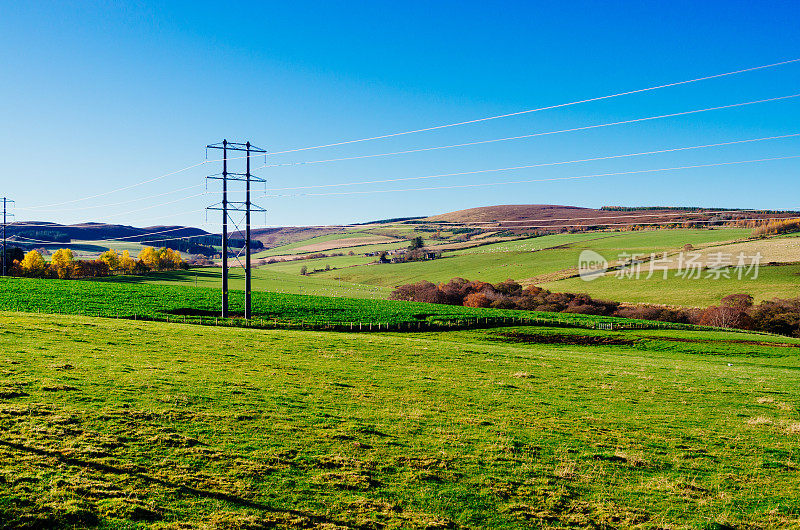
(640, 241)
(121, 424)
(782, 281)
(335, 262)
(281, 278)
(334, 242)
(517, 259)
(127, 300)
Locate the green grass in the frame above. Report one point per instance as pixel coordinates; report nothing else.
(335, 262)
(781, 281)
(125, 298)
(489, 266)
(524, 261)
(121, 424)
(278, 278)
(291, 248)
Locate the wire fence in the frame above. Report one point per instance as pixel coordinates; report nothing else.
(433, 324)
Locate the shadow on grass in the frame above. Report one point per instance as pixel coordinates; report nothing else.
(180, 488)
(174, 276)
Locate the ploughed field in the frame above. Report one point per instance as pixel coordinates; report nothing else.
(128, 424)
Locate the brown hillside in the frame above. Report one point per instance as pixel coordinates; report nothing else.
(544, 215)
(512, 212)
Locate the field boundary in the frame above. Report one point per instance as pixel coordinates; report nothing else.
(436, 324)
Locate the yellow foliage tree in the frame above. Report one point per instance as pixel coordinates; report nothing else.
(63, 263)
(162, 259)
(126, 262)
(111, 258)
(149, 256)
(33, 264)
(170, 259)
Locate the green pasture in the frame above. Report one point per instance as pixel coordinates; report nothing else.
(291, 247)
(118, 424)
(494, 263)
(282, 278)
(489, 267)
(335, 262)
(779, 281)
(125, 297)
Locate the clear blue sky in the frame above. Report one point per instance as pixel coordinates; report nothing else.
(99, 95)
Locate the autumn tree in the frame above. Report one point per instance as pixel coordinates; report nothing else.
(149, 257)
(63, 263)
(126, 262)
(162, 259)
(33, 264)
(111, 258)
(169, 259)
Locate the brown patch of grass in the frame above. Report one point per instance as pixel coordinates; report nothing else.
(348, 480)
(793, 428)
(58, 388)
(759, 420)
(172, 439)
(566, 470)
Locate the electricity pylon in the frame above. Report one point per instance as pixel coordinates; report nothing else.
(226, 207)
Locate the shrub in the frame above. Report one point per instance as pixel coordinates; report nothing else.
(504, 295)
(777, 316)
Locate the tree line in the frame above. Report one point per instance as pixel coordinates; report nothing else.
(781, 316)
(63, 264)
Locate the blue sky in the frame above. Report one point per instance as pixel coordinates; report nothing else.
(101, 95)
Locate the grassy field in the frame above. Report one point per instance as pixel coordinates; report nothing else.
(524, 259)
(639, 241)
(120, 424)
(281, 278)
(773, 282)
(335, 243)
(126, 299)
(335, 262)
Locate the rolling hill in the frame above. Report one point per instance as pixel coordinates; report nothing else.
(550, 215)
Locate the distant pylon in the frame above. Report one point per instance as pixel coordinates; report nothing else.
(5, 222)
(226, 207)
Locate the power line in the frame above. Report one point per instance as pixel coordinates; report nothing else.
(550, 107)
(546, 133)
(486, 184)
(160, 177)
(116, 190)
(109, 205)
(441, 175)
(157, 205)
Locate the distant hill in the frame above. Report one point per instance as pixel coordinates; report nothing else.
(33, 231)
(550, 215)
(278, 236)
(512, 212)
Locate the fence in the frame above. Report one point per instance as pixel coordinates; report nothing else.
(435, 324)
